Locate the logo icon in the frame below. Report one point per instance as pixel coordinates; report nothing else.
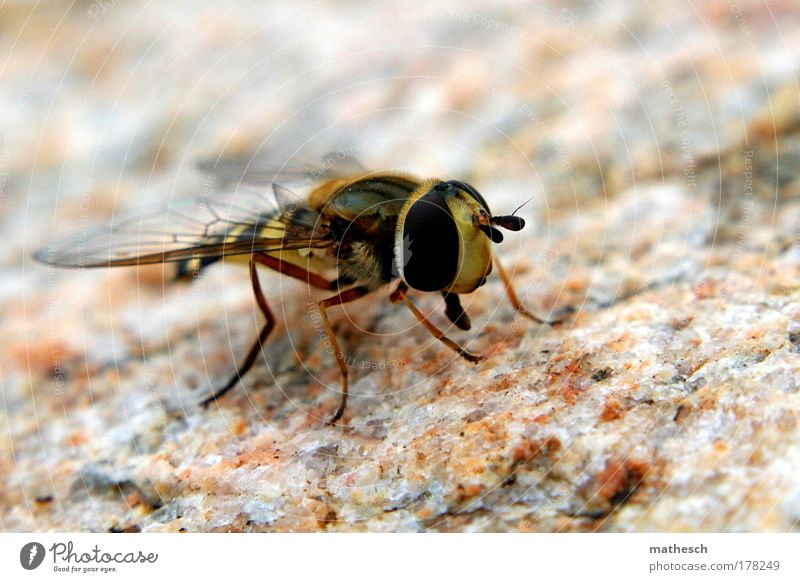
(31, 555)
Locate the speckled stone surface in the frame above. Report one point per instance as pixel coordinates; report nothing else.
(659, 143)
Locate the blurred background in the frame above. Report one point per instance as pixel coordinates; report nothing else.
(112, 103)
(634, 127)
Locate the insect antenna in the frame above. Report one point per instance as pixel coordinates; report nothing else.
(510, 221)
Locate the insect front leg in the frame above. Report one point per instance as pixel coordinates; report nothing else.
(454, 312)
(256, 348)
(339, 299)
(514, 299)
(401, 294)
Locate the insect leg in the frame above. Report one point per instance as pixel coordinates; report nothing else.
(514, 299)
(400, 294)
(256, 348)
(340, 299)
(295, 272)
(455, 312)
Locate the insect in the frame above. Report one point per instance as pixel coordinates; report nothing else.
(355, 233)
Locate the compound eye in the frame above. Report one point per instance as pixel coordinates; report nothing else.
(429, 255)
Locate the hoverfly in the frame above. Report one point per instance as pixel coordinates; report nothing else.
(355, 233)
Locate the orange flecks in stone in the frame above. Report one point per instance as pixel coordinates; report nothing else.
(260, 455)
(313, 360)
(476, 428)
(319, 510)
(786, 421)
(135, 499)
(567, 369)
(240, 427)
(494, 349)
(757, 458)
(683, 412)
(77, 439)
(43, 501)
(542, 419)
(209, 484)
(506, 416)
(570, 395)
(425, 513)
(469, 490)
(575, 283)
(621, 343)
(568, 358)
(706, 289)
(559, 357)
(708, 402)
(43, 356)
(682, 322)
(475, 466)
(613, 410)
(569, 378)
(529, 449)
(502, 383)
(781, 116)
(620, 479)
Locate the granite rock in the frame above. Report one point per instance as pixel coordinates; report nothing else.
(659, 145)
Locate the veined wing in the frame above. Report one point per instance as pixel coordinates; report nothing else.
(241, 222)
(263, 170)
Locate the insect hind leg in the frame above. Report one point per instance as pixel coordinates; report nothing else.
(250, 359)
(340, 299)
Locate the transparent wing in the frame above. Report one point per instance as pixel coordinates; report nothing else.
(264, 170)
(241, 222)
